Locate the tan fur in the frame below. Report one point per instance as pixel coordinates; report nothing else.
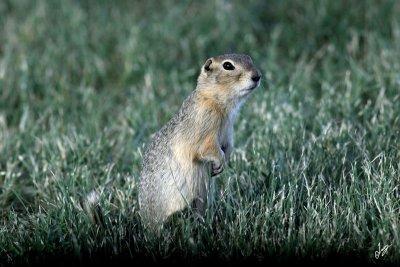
(209, 146)
(197, 141)
(209, 102)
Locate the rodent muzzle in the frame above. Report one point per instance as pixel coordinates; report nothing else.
(256, 76)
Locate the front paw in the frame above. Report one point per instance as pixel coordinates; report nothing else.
(216, 169)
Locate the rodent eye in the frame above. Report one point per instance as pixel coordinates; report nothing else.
(228, 66)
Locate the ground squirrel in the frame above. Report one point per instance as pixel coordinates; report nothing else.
(197, 141)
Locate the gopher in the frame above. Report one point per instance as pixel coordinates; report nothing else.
(196, 143)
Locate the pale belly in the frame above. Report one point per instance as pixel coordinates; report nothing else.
(186, 182)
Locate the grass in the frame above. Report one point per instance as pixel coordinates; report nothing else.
(316, 167)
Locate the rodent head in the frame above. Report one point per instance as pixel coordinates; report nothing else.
(229, 78)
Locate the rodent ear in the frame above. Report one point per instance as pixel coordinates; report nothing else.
(207, 65)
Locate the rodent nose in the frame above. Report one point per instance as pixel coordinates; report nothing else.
(256, 77)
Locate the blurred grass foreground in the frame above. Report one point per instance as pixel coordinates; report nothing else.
(316, 167)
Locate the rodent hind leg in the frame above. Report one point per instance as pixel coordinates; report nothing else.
(227, 143)
(200, 202)
(199, 207)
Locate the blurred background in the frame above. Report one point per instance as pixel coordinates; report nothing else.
(83, 85)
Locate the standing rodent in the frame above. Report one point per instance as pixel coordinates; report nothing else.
(197, 141)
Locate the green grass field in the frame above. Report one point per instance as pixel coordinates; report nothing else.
(316, 167)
